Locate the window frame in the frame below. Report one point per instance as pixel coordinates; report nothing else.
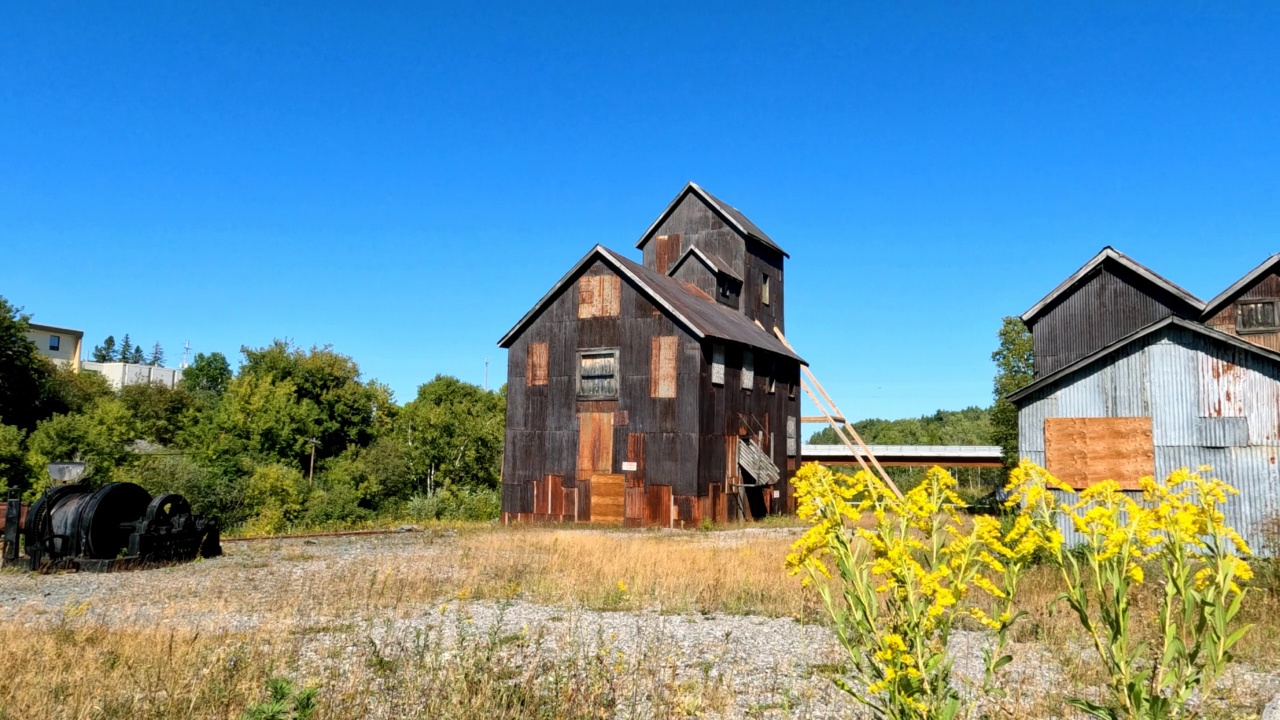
(617, 375)
(721, 350)
(55, 343)
(764, 289)
(748, 375)
(1275, 313)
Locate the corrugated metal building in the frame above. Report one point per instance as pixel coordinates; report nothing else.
(656, 393)
(1179, 390)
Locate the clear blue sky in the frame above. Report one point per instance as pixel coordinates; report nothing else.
(404, 181)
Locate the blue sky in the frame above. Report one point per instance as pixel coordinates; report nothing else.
(404, 180)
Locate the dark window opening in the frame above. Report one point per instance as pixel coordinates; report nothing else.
(55, 342)
(1257, 316)
(764, 290)
(598, 374)
(728, 290)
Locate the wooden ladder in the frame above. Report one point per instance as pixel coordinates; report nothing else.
(839, 422)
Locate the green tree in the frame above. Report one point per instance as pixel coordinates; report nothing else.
(207, 374)
(348, 412)
(274, 494)
(454, 433)
(157, 356)
(99, 437)
(13, 466)
(106, 352)
(24, 374)
(69, 391)
(126, 349)
(160, 413)
(1015, 368)
(258, 421)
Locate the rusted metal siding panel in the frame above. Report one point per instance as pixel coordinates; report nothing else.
(1173, 391)
(664, 354)
(536, 365)
(1220, 432)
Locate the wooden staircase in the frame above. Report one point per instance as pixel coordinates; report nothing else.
(753, 460)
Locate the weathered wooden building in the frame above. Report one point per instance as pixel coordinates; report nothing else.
(1136, 377)
(656, 393)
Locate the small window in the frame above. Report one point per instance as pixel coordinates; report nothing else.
(1257, 316)
(55, 342)
(771, 382)
(764, 290)
(598, 374)
(748, 370)
(792, 389)
(717, 364)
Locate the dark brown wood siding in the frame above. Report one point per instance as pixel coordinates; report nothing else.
(721, 422)
(698, 225)
(1266, 287)
(543, 421)
(1110, 303)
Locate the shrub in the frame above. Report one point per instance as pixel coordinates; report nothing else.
(456, 503)
(274, 495)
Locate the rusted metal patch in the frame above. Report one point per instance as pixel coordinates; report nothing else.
(595, 443)
(536, 364)
(1221, 387)
(599, 296)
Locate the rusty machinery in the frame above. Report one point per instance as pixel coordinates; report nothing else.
(118, 525)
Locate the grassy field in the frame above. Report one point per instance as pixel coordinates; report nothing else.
(472, 621)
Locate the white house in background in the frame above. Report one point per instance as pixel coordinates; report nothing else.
(121, 374)
(61, 345)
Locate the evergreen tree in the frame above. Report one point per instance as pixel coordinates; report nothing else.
(126, 349)
(106, 352)
(157, 355)
(136, 357)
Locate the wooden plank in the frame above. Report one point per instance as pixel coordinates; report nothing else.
(663, 362)
(635, 454)
(595, 443)
(635, 504)
(819, 419)
(555, 491)
(588, 290)
(608, 497)
(1084, 451)
(536, 367)
(599, 296)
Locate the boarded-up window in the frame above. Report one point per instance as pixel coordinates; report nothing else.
(1257, 316)
(792, 441)
(662, 367)
(1084, 451)
(598, 374)
(536, 368)
(748, 369)
(717, 364)
(666, 252)
(598, 296)
(764, 290)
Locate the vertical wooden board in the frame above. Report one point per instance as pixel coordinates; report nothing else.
(609, 288)
(536, 364)
(555, 492)
(540, 497)
(664, 359)
(595, 443)
(588, 296)
(668, 251)
(635, 509)
(1084, 451)
(658, 507)
(608, 497)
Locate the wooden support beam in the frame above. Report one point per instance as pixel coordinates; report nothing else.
(820, 419)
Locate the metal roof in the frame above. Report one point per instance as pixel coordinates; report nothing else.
(727, 212)
(713, 263)
(1109, 254)
(701, 316)
(1226, 296)
(1138, 335)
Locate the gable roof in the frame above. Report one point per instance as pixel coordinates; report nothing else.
(731, 215)
(1157, 326)
(1226, 296)
(713, 263)
(701, 316)
(1109, 254)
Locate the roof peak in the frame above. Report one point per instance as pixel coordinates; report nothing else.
(732, 216)
(1109, 253)
(1221, 299)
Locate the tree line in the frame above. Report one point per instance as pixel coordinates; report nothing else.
(291, 437)
(127, 352)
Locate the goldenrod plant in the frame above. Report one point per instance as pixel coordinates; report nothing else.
(906, 571)
(1179, 527)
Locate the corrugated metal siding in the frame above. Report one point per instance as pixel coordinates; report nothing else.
(1109, 304)
(1177, 377)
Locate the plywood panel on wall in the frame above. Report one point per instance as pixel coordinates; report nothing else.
(608, 494)
(1084, 451)
(662, 366)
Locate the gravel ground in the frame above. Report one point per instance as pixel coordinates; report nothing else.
(776, 667)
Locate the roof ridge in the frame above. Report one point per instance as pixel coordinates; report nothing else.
(1110, 253)
(1222, 298)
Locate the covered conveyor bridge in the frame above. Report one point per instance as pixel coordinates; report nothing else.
(979, 456)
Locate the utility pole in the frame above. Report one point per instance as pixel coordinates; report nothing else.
(186, 351)
(312, 472)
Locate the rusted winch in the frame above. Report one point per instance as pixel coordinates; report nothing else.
(116, 526)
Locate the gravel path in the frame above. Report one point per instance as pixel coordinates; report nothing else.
(775, 667)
